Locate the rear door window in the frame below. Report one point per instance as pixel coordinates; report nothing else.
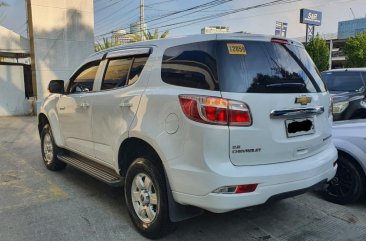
(136, 69)
(116, 73)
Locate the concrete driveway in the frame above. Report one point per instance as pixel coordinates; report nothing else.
(36, 204)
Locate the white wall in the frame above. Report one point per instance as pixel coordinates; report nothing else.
(63, 34)
(12, 95)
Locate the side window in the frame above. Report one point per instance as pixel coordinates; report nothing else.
(84, 79)
(191, 65)
(116, 73)
(136, 69)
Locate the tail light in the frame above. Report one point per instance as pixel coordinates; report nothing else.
(330, 111)
(216, 111)
(247, 188)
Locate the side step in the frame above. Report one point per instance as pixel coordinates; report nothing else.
(92, 168)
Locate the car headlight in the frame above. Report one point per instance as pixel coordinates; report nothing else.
(363, 103)
(340, 107)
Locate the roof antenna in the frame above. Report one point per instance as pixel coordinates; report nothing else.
(354, 17)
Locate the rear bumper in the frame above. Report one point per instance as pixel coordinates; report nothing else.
(275, 181)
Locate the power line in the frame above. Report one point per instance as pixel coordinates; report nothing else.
(207, 4)
(218, 15)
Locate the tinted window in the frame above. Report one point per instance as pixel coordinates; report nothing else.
(84, 79)
(116, 73)
(191, 65)
(344, 81)
(136, 69)
(266, 67)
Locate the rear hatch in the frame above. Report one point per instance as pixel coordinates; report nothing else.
(286, 96)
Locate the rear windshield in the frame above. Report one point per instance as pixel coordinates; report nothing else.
(344, 81)
(242, 66)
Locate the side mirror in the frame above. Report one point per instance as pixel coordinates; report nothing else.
(56, 86)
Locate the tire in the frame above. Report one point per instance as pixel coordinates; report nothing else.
(50, 150)
(147, 182)
(348, 185)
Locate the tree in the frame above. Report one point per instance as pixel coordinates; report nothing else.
(148, 36)
(105, 45)
(318, 50)
(355, 51)
(3, 4)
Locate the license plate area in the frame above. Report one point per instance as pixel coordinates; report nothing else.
(299, 127)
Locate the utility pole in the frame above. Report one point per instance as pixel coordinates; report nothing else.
(142, 29)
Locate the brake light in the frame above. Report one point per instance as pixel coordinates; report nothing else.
(279, 41)
(216, 111)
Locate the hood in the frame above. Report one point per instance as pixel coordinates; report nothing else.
(339, 96)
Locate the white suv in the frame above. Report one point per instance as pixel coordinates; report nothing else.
(214, 122)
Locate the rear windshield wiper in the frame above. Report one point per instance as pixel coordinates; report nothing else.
(288, 85)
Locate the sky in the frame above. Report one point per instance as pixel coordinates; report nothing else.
(116, 14)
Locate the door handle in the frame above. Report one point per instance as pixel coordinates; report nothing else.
(125, 104)
(84, 105)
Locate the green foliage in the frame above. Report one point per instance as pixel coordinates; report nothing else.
(149, 36)
(355, 51)
(318, 50)
(105, 45)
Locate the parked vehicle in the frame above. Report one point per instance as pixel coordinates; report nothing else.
(348, 88)
(214, 122)
(348, 185)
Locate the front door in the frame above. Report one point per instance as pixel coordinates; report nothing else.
(75, 108)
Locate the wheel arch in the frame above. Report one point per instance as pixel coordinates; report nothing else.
(133, 147)
(353, 159)
(177, 212)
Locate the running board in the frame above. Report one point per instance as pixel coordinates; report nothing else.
(92, 168)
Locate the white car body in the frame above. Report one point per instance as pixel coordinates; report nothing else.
(349, 137)
(198, 158)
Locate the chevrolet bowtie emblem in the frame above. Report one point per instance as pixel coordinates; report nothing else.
(303, 100)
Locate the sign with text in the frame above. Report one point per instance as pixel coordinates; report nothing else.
(311, 17)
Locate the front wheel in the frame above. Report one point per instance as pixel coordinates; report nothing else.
(146, 198)
(348, 185)
(50, 150)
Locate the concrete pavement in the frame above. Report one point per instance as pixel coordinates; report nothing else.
(36, 204)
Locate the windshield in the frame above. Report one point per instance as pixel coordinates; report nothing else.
(266, 67)
(344, 81)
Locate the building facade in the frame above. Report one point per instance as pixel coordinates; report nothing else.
(121, 37)
(350, 28)
(215, 29)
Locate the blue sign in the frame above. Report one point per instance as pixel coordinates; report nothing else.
(311, 17)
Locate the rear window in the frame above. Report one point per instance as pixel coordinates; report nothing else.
(242, 66)
(344, 81)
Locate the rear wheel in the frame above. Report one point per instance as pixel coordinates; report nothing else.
(50, 150)
(146, 198)
(348, 185)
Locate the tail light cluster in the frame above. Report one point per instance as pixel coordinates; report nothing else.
(215, 110)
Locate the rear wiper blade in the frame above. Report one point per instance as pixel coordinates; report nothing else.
(288, 85)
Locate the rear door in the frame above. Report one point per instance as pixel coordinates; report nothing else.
(115, 105)
(286, 97)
